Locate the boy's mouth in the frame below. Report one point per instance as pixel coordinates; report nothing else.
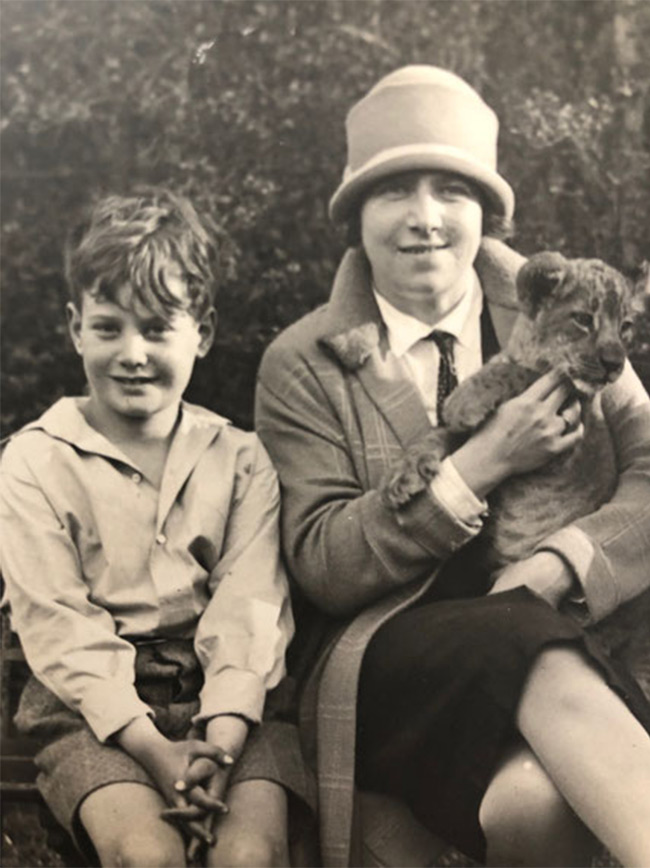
(134, 381)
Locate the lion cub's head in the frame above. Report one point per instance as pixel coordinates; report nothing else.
(581, 314)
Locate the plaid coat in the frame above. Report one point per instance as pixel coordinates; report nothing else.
(335, 409)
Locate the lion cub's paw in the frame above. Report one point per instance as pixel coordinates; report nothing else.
(415, 470)
(467, 407)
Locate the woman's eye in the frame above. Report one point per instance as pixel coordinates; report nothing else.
(582, 318)
(394, 190)
(455, 189)
(394, 187)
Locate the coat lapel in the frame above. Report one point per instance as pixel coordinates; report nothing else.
(353, 330)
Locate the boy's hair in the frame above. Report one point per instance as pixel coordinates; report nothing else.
(130, 240)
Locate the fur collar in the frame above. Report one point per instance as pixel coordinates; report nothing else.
(353, 327)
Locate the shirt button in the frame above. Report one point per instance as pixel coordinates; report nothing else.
(137, 478)
(161, 539)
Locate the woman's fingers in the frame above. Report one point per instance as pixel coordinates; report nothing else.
(571, 415)
(546, 385)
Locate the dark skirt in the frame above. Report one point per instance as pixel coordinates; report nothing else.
(72, 763)
(440, 686)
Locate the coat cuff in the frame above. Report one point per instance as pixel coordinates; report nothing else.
(407, 491)
(108, 707)
(592, 569)
(232, 691)
(450, 489)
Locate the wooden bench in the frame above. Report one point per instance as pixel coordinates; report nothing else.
(17, 772)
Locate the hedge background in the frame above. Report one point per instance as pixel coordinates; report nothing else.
(241, 106)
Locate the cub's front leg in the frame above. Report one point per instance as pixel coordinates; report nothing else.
(475, 400)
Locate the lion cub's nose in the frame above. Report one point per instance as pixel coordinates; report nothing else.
(612, 358)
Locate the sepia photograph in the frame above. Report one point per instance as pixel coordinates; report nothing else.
(325, 433)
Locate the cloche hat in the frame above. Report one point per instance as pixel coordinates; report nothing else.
(421, 117)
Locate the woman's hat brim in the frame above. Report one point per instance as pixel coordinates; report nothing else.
(419, 158)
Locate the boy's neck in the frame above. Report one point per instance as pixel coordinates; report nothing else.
(146, 442)
(122, 430)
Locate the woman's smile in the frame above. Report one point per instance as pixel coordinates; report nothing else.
(421, 232)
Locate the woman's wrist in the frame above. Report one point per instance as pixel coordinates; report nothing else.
(481, 470)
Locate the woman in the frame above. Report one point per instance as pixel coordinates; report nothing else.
(463, 703)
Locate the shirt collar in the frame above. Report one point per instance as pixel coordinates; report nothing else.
(66, 421)
(404, 330)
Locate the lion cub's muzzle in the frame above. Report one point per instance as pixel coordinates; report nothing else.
(612, 358)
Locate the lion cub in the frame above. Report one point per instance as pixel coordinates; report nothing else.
(576, 316)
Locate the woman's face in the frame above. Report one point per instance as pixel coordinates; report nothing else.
(421, 232)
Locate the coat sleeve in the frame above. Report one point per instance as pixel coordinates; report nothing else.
(344, 545)
(609, 550)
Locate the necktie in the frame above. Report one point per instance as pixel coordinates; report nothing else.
(447, 378)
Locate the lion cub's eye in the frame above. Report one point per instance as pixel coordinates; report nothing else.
(583, 319)
(627, 327)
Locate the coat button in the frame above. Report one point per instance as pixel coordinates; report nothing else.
(137, 478)
(161, 539)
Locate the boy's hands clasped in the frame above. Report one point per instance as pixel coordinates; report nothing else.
(200, 791)
(191, 774)
(199, 800)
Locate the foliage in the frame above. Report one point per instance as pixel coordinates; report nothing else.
(241, 106)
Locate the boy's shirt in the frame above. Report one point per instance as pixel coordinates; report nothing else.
(92, 553)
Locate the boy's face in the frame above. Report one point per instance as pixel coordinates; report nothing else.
(137, 363)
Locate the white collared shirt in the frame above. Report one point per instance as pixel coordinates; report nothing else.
(408, 340)
(94, 554)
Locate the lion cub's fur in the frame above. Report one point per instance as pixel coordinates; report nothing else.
(575, 317)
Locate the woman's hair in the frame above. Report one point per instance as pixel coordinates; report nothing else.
(495, 225)
(132, 241)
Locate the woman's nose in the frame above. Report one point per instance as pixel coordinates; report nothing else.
(133, 350)
(426, 212)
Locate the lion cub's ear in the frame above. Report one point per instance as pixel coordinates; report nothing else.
(538, 279)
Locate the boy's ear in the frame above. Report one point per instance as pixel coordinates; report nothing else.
(207, 329)
(74, 325)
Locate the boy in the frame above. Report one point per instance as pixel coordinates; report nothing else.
(140, 551)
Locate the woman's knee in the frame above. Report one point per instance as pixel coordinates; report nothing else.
(520, 802)
(263, 851)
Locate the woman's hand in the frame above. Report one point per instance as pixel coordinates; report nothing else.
(545, 573)
(524, 433)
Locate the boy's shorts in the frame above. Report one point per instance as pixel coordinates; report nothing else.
(72, 763)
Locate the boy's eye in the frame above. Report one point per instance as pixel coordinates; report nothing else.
(157, 330)
(583, 319)
(106, 328)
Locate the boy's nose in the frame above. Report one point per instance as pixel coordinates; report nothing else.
(133, 352)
